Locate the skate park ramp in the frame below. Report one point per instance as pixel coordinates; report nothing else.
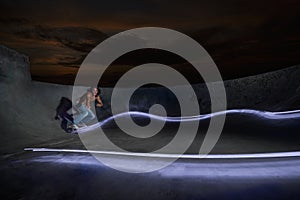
(27, 116)
(28, 107)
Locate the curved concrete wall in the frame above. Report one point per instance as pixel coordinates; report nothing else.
(27, 107)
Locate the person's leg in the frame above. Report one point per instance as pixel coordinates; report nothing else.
(65, 117)
(68, 117)
(63, 124)
(82, 115)
(89, 117)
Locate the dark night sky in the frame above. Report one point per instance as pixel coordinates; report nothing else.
(243, 37)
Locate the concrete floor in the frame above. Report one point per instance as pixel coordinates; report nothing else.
(28, 122)
(58, 175)
(32, 175)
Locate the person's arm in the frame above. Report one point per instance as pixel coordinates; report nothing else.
(99, 101)
(89, 97)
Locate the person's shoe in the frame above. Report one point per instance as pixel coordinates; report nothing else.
(74, 126)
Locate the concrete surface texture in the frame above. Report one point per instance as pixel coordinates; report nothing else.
(28, 107)
(27, 111)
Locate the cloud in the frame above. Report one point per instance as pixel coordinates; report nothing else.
(50, 45)
(243, 37)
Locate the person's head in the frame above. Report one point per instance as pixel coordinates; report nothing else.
(95, 91)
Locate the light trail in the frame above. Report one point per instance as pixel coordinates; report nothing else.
(264, 114)
(165, 155)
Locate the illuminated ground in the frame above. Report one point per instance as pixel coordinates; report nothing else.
(60, 175)
(80, 176)
(27, 111)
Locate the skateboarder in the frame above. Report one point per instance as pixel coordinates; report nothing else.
(86, 115)
(65, 104)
